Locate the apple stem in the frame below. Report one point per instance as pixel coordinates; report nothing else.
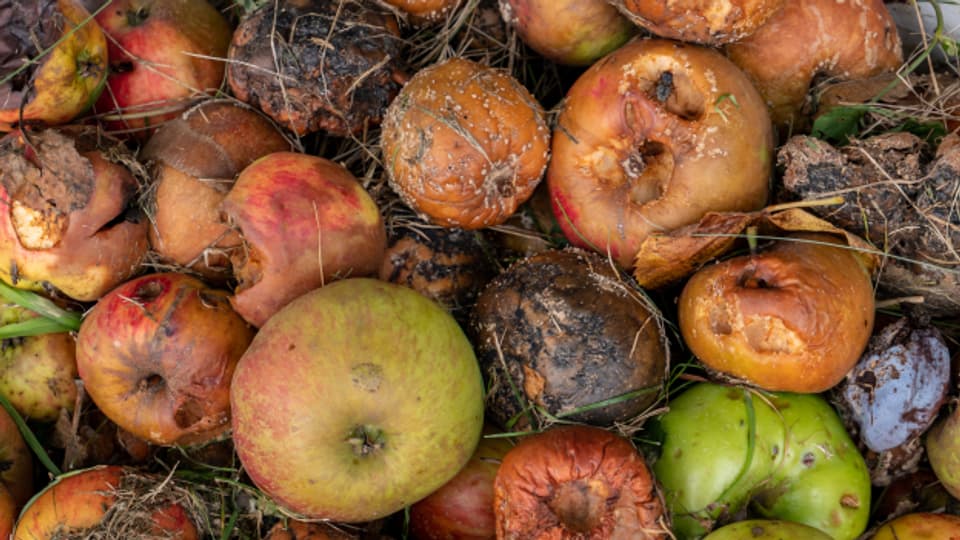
(366, 439)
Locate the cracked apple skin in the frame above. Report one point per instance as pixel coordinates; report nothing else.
(157, 354)
(69, 217)
(305, 221)
(68, 79)
(650, 138)
(795, 317)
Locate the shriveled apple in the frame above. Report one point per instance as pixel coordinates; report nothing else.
(652, 137)
(69, 218)
(53, 62)
(157, 355)
(305, 221)
(194, 160)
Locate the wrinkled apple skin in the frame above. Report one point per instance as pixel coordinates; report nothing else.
(305, 221)
(767, 529)
(802, 467)
(174, 48)
(37, 373)
(943, 451)
(919, 526)
(333, 368)
(15, 455)
(650, 138)
(571, 32)
(462, 509)
(156, 355)
(70, 77)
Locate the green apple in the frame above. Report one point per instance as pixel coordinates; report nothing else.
(786, 456)
(355, 400)
(942, 442)
(767, 529)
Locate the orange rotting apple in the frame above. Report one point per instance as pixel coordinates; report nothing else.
(163, 54)
(157, 354)
(69, 218)
(193, 161)
(652, 137)
(794, 317)
(305, 221)
(464, 144)
(712, 22)
(53, 62)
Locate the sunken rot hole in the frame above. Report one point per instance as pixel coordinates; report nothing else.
(338, 63)
(572, 332)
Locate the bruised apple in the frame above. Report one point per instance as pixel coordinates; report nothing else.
(53, 62)
(572, 32)
(108, 501)
(156, 355)
(356, 400)
(305, 221)
(652, 137)
(794, 317)
(69, 217)
(163, 54)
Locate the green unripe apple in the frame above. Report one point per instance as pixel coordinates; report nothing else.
(355, 400)
(767, 529)
(785, 455)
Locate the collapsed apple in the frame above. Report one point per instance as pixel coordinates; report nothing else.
(163, 54)
(305, 221)
(37, 373)
(572, 32)
(782, 456)
(652, 137)
(156, 355)
(373, 405)
(69, 218)
(53, 62)
(193, 161)
(108, 502)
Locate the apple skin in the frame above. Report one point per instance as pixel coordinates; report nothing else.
(942, 442)
(802, 466)
(8, 512)
(305, 221)
(462, 509)
(570, 32)
(69, 78)
(767, 529)
(37, 373)
(162, 54)
(156, 355)
(79, 500)
(17, 474)
(919, 526)
(372, 406)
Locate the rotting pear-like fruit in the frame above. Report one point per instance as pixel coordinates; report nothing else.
(465, 144)
(650, 138)
(793, 317)
(194, 161)
(37, 373)
(778, 455)
(163, 55)
(69, 218)
(55, 87)
(157, 355)
(305, 221)
(571, 32)
(377, 402)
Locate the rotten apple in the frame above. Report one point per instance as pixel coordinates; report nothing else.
(157, 354)
(305, 221)
(163, 54)
(652, 137)
(707, 23)
(373, 404)
(69, 218)
(53, 62)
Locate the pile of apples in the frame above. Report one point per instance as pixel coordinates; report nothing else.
(507, 310)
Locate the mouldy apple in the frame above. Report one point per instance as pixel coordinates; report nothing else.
(69, 62)
(163, 54)
(372, 405)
